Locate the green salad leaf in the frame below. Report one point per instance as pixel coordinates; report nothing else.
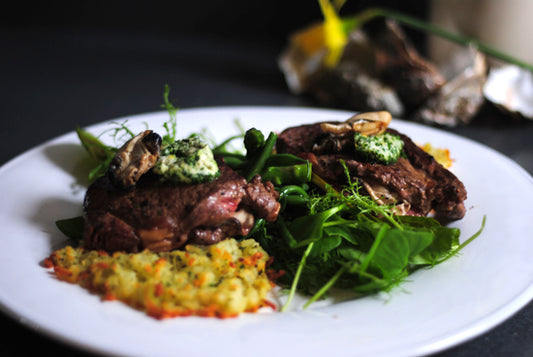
(71, 227)
(326, 239)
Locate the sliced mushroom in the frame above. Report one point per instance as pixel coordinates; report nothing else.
(371, 123)
(380, 194)
(136, 157)
(336, 129)
(383, 196)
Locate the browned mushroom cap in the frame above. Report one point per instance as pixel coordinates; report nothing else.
(371, 123)
(135, 158)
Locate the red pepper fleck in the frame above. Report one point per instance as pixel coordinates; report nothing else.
(158, 289)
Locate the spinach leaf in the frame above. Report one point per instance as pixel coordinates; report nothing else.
(346, 240)
(71, 227)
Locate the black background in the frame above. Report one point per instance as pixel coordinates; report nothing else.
(88, 61)
(259, 21)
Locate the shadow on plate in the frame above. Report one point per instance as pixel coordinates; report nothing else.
(73, 160)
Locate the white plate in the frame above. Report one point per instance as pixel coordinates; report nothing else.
(437, 308)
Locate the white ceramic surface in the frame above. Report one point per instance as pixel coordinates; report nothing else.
(437, 308)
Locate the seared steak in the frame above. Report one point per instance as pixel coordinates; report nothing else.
(416, 179)
(163, 217)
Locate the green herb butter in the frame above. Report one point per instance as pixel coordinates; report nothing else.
(383, 148)
(187, 161)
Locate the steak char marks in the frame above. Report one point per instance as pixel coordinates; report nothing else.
(416, 179)
(163, 217)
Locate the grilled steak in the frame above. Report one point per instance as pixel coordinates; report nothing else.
(416, 179)
(164, 217)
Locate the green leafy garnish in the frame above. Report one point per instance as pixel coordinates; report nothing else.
(171, 126)
(101, 154)
(326, 239)
(71, 227)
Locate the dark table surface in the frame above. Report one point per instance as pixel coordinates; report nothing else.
(52, 81)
